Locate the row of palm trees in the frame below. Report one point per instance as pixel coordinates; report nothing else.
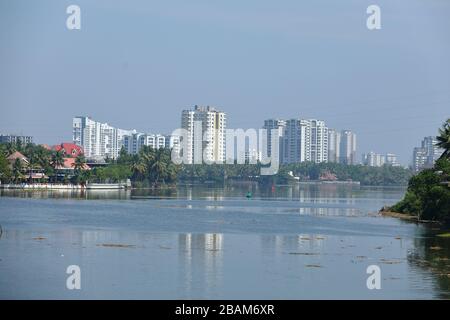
(152, 166)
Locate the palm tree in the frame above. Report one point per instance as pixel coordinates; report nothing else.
(444, 139)
(138, 167)
(17, 170)
(159, 165)
(79, 164)
(57, 161)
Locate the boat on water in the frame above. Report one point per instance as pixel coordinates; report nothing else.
(104, 186)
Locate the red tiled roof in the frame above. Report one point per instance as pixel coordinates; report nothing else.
(17, 155)
(69, 149)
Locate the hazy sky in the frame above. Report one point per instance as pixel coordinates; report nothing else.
(137, 64)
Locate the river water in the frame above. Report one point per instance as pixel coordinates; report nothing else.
(311, 241)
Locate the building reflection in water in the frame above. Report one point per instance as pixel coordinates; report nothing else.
(200, 262)
(277, 245)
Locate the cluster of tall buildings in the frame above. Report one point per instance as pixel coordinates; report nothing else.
(204, 138)
(426, 155)
(101, 140)
(373, 159)
(311, 140)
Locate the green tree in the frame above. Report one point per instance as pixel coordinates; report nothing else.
(17, 170)
(79, 166)
(444, 139)
(57, 161)
(5, 171)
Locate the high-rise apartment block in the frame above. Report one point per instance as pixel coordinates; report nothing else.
(100, 140)
(426, 155)
(342, 146)
(334, 145)
(347, 152)
(373, 159)
(209, 138)
(269, 126)
(305, 140)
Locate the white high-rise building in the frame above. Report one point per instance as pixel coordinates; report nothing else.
(212, 140)
(373, 159)
(426, 155)
(134, 142)
(317, 138)
(305, 140)
(99, 140)
(347, 148)
(334, 145)
(391, 159)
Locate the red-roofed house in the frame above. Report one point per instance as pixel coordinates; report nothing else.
(69, 164)
(69, 149)
(17, 155)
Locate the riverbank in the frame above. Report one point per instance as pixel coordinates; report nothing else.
(57, 186)
(402, 216)
(387, 212)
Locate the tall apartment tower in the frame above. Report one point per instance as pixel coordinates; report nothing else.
(305, 140)
(317, 137)
(294, 141)
(426, 155)
(334, 145)
(274, 124)
(347, 147)
(212, 139)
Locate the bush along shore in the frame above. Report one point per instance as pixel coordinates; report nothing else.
(427, 198)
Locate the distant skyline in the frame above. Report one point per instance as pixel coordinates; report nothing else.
(137, 65)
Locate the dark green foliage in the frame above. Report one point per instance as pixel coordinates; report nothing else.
(428, 195)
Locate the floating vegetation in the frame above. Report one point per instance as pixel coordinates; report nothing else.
(313, 266)
(114, 245)
(304, 253)
(388, 261)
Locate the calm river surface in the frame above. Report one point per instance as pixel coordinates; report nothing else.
(199, 242)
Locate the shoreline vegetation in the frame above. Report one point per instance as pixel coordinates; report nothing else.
(154, 169)
(427, 198)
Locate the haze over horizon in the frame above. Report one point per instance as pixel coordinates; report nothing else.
(137, 65)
